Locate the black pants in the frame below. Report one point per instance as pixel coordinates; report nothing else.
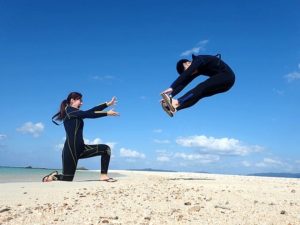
(215, 84)
(70, 159)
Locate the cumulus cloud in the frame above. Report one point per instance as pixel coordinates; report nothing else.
(195, 50)
(202, 158)
(224, 146)
(31, 128)
(187, 158)
(290, 77)
(96, 141)
(128, 153)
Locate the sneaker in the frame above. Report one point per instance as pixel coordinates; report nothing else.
(166, 109)
(168, 101)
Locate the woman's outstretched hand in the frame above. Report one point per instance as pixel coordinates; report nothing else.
(113, 101)
(112, 113)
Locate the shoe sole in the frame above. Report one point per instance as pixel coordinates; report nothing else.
(166, 110)
(167, 100)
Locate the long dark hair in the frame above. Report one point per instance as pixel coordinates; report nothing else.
(60, 115)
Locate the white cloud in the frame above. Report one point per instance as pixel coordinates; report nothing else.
(96, 141)
(246, 163)
(225, 146)
(268, 162)
(59, 146)
(103, 78)
(31, 128)
(161, 141)
(272, 161)
(163, 156)
(195, 50)
(163, 159)
(128, 153)
(111, 145)
(293, 75)
(202, 158)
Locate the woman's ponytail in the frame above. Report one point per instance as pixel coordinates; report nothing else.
(61, 114)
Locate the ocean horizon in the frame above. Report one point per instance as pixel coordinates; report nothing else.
(30, 174)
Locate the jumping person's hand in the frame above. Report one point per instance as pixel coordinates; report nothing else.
(113, 101)
(167, 91)
(112, 113)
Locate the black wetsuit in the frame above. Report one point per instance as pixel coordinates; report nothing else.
(221, 79)
(74, 148)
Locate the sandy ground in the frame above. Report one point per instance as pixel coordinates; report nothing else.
(154, 198)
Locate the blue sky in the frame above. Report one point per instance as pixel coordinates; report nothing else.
(129, 49)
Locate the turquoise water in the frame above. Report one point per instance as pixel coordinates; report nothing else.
(18, 174)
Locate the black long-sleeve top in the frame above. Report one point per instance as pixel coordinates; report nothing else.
(74, 124)
(207, 65)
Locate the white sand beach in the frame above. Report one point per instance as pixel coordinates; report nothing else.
(154, 198)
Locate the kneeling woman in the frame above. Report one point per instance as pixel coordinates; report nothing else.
(74, 148)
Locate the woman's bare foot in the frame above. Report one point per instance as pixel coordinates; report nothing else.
(50, 177)
(104, 177)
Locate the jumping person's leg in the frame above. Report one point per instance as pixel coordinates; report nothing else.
(216, 84)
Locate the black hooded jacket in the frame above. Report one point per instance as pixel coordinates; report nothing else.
(207, 65)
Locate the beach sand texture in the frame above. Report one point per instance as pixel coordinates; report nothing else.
(154, 198)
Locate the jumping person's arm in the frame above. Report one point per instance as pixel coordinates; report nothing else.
(187, 76)
(181, 86)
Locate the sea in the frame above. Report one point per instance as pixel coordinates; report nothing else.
(21, 174)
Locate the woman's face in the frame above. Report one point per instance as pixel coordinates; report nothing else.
(76, 103)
